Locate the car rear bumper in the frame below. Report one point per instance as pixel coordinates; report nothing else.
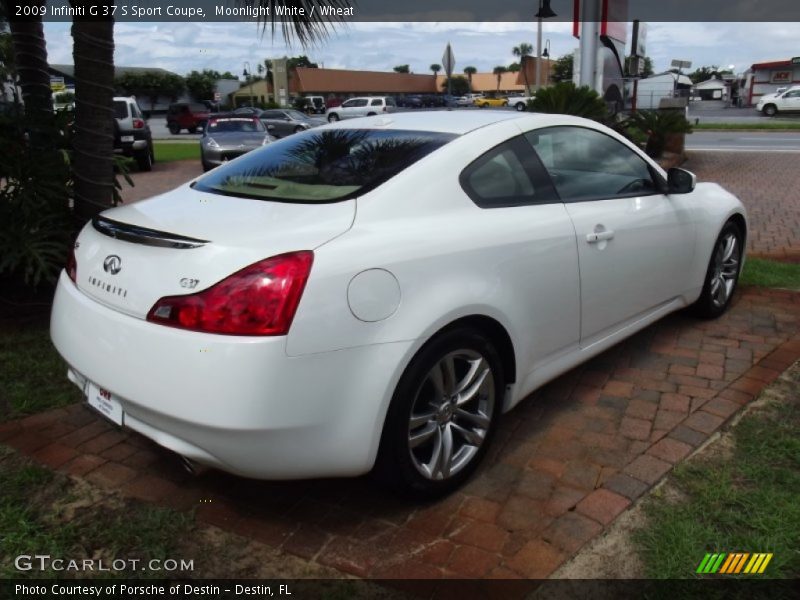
(235, 403)
(130, 148)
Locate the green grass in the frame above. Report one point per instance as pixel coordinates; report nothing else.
(770, 273)
(34, 519)
(33, 377)
(744, 503)
(747, 126)
(171, 151)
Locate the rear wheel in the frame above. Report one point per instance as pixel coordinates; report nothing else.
(144, 160)
(722, 275)
(333, 117)
(520, 106)
(442, 416)
(370, 114)
(770, 110)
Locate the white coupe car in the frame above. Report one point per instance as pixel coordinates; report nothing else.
(372, 295)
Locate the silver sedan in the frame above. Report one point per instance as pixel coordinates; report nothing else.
(228, 137)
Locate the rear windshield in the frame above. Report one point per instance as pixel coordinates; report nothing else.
(120, 109)
(235, 125)
(322, 166)
(198, 108)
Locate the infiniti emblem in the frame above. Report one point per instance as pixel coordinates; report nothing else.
(112, 264)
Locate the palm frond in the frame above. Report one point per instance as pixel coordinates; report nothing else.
(305, 28)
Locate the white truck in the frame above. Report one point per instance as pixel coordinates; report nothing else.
(519, 103)
(787, 101)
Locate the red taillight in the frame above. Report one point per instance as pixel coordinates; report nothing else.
(138, 124)
(72, 265)
(258, 300)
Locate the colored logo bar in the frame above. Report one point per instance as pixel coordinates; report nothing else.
(734, 563)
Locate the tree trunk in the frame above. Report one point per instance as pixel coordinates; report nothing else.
(525, 75)
(93, 163)
(30, 53)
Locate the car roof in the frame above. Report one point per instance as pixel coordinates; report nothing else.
(442, 121)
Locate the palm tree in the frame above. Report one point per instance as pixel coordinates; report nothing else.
(30, 55)
(93, 54)
(521, 52)
(469, 72)
(498, 72)
(93, 144)
(435, 68)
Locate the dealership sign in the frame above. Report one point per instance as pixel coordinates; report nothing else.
(781, 77)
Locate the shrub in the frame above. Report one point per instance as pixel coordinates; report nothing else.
(657, 126)
(566, 99)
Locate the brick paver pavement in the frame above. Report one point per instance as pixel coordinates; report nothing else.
(563, 465)
(767, 183)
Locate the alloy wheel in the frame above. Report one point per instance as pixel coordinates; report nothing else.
(451, 414)
(726, 269)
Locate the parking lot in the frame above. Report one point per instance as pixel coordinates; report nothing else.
(564, 464)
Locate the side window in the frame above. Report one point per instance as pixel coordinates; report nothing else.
(499, 179)
(362, 102)
(585, 164)
(377, 102)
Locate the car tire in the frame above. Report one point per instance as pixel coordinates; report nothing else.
(505, 103)
(144, 160)
(174, 128)
(299, 129)
(192, 129)
(520, 106)
(333, 117)
(770, 110)
(371, 114)
(722, 274)
(426, 417)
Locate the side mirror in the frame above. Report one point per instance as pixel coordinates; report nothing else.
(680, 181)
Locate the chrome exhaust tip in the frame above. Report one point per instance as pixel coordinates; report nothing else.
(192, 467)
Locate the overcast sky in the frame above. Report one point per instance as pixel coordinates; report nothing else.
(182, 47)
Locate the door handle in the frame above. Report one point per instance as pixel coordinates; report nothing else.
(600, 236)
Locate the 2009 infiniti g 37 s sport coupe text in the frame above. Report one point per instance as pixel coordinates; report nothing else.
(372, 295)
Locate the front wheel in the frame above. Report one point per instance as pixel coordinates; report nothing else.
(722, 275)
(520, 106)
(174, 128)
(333, 117)
(442, 415)
(770, 110)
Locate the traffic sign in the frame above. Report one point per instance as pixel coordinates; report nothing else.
(448, 60)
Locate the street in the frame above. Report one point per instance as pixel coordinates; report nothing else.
(744, 141)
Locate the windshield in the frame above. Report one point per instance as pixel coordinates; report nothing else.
(120, 109)
(235, 125)
(322, 166)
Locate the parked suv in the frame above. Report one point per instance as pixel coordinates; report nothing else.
(183, 115)
(132, 135)
(362, 107)
(315, 104)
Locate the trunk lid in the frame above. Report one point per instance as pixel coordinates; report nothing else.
(185, 241)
